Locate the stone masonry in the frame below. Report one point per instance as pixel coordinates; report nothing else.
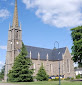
(52, 67)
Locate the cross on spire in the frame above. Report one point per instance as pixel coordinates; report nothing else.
(15, 17)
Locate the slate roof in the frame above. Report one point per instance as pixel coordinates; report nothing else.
(54, 54)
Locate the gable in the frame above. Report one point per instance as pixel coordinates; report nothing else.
(67, 53)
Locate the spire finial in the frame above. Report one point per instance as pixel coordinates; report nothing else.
(15, 17)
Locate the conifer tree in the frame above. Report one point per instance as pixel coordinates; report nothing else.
(21, 71)
(42, 75)
(2, 73)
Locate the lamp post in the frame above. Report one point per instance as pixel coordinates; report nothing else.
(58, 60)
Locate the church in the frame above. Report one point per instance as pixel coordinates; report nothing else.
(49, 57)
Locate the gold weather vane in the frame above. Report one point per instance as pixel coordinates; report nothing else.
(15, 17)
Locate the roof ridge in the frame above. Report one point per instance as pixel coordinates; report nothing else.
(45, 48)
(39, 47)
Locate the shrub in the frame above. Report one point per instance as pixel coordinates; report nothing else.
(69, 78)
(78, 76)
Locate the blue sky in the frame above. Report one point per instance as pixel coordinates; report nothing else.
(43, 22)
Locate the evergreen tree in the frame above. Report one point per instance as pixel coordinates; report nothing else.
(77, 44)
(21, 71)
(42, 75)
(2, 73)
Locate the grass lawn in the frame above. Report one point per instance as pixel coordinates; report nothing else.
(51, 83)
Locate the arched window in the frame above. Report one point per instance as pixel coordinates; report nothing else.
(34, 67)
(50, 67)
(16, 34)
(68, 65)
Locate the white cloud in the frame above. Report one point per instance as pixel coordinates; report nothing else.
(4, 13)
(59, 13)
(1, 65)
(3, 47)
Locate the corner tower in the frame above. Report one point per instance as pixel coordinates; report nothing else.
(14, 42)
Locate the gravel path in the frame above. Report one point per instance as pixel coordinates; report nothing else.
(8, 84)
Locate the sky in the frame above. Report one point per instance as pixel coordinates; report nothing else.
(43, 22)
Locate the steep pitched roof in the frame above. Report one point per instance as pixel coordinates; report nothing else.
(52, 53)
(57, 53)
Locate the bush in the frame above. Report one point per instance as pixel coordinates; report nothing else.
(78, 76)
(69, 78)
(56, 79)
(72, 78)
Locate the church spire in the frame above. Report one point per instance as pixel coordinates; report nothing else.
(15, 17)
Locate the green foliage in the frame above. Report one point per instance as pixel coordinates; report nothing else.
(69, 78)
(54, 79)
(42, 75)
(2, 73)
(75, 67)
(77, 44)
(21, 71)
(78, 76)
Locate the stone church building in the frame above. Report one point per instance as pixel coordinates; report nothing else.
(49, 57)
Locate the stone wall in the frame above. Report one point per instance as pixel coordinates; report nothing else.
(52, 67)
(68, 64)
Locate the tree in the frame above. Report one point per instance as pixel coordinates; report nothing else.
(21, 71)
(2, 73)
(77, 45)
(42, 75)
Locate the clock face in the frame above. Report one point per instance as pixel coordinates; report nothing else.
(11, 42)
(17, 42)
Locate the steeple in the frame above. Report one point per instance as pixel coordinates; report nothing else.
(14, 42)
(15, 17)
